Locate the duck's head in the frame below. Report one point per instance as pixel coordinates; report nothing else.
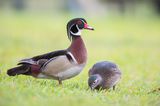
(75, 26)
(95, 81)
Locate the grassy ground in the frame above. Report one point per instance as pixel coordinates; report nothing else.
(134, 44)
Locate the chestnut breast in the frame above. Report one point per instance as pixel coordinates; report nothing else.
(78, 50)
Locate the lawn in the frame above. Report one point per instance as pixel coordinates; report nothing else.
(132, 43)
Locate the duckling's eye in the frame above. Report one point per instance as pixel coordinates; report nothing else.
(95, 82)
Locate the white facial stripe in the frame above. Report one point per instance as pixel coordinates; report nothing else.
(76, 34)
(71, 26)
(83, 21)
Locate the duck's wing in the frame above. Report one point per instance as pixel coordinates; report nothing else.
(41, 59)
(32, 66)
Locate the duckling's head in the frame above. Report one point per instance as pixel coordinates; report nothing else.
(95, 81)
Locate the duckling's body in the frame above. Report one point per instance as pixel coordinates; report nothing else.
(104, 75)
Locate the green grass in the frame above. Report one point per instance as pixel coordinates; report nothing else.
(134, 44)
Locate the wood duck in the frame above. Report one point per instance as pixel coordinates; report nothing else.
(59, 65)
(104, 75)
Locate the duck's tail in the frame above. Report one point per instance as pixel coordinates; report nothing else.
(23, 69)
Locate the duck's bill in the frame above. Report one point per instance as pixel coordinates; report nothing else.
(86, 26)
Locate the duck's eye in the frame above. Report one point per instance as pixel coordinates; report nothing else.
(79, 22)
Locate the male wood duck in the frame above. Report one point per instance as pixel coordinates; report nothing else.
(59, 65)
(104, 75)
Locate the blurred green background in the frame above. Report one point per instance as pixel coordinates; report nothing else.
(127, 32)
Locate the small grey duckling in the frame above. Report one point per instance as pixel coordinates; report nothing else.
(104, 75)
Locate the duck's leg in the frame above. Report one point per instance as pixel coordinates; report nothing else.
(114, 87)
(59, 81)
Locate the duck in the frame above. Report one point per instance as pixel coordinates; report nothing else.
(104, 75)
(61, 64)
